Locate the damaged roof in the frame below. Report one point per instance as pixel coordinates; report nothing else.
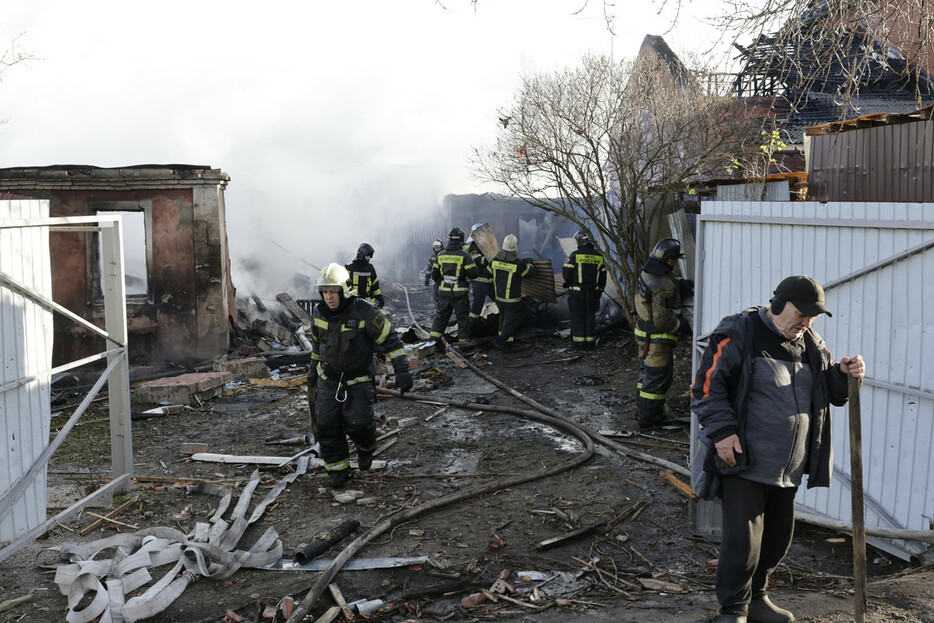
(71, 176)
(804, 82)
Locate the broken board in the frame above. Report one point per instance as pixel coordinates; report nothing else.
(486, 241)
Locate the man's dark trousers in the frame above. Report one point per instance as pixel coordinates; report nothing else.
(758, 524)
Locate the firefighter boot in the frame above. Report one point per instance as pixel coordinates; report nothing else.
(338, 478)
(762, 610)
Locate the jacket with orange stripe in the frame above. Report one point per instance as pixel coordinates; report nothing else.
(721, 389)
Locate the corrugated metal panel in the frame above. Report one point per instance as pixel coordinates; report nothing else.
(883, 163)
(885, 312)
(774, 191)
(26, 351)
(541, 284)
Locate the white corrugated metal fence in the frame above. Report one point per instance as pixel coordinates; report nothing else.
(26, 351)
(876, 262)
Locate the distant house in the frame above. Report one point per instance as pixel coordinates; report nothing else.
(178, 284)
(790, 81)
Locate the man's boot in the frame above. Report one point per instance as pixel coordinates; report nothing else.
(731, 618)
(338, 478)
(762, 610)
(364, 460)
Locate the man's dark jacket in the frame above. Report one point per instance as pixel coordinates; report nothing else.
(721, 389)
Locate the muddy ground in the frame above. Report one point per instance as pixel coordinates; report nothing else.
(469, 544)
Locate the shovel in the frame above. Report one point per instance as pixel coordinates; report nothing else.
(856, 488)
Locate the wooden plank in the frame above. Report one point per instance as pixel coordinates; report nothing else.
(486, 241)
(457, 359)
(294, 308)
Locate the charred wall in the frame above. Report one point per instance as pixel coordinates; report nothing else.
(183, 312)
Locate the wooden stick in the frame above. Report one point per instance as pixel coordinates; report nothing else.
(113, 520)
(494, 596)
(612, 576)
(12, 603)
(332, 613)
(573, 534)
(339, 598)
(856, 490)
(626, 514)
(107, 517)
(436, 414)
(683, 487)
(184, 481)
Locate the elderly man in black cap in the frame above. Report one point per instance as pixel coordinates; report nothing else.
(762, 394)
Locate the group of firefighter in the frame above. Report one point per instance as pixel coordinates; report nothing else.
(464, 278)
(348, 328)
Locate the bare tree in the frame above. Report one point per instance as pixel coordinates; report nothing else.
(610, 146)
(14, 55)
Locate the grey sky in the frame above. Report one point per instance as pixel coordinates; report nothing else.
(315, 109)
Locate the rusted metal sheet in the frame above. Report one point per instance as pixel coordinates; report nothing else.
(541, 284)
(873, 158)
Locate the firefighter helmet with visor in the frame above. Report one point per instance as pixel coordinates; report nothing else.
(334, 278)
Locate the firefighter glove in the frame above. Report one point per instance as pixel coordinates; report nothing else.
(404, 381)
(380, 301)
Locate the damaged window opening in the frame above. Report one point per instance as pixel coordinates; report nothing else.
(137, 248)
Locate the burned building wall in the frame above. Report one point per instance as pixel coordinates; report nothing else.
(181, 310)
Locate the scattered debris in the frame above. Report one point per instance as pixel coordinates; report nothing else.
(109, 516)
(609, 400)
(589, 380)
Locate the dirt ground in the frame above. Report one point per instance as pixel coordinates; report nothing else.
(650, 566)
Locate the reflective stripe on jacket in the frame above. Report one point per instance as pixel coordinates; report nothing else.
(507, 276)
(585, 269)
(343, 341)
(658, 304)
(452, 270)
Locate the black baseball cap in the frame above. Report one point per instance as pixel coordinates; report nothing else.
(803, 292)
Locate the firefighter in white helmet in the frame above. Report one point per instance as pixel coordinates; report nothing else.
(345, 333)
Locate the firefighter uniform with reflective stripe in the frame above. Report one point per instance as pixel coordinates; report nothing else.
(658, 303)
(584, 275)
(343, 342)
(452, 271)
(482, 286)
(508, 271)
(363, 279)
